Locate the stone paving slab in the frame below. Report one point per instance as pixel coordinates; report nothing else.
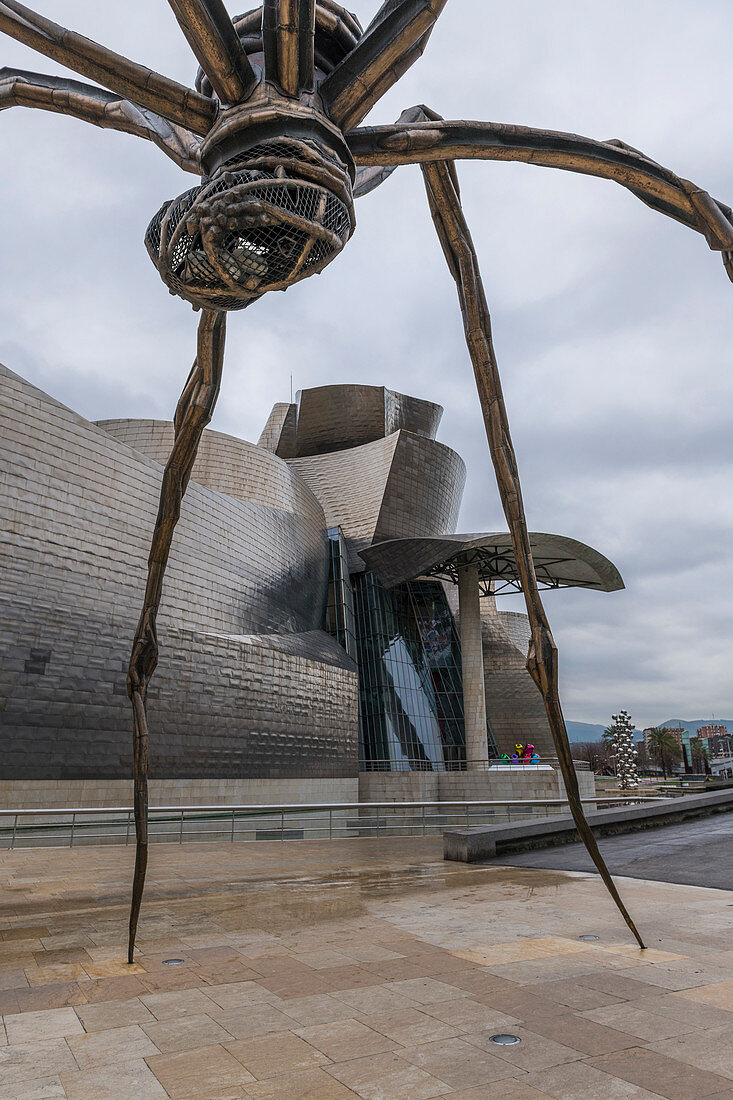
(367, 969)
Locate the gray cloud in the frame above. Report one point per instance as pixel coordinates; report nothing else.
(613, 325)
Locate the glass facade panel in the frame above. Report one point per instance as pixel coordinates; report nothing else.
(340, 603)
(409, 656)
(411, 691)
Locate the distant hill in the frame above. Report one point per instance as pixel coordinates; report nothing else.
(584, 731)
(588, 731)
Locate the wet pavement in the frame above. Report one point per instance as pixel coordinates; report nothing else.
(697, 853)
(357, 968)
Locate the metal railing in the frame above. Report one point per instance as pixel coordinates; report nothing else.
(459, 765)
(323, 821)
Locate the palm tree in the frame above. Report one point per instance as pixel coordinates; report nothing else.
(699, 753)
(663, 747)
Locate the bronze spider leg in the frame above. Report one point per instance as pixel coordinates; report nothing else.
(213, 39)
(194, 411)
(19, 88)
(542, 660)
(421, 142)
(416, 136)
(148, 89)
(393, 41)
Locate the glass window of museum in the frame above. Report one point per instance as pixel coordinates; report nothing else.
(406, 646)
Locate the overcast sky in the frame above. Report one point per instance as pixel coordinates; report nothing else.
(613, 325)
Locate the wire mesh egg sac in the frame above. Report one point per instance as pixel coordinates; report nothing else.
(243, 232)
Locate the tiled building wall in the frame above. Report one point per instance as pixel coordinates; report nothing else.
(248, 685)
(424, 490)
(326, 419)
(278, 434)
(231, 466)
(393, 488)
(335, 418)
(414, 415)
(350, 486)
(513, 703)
(516, 625)
(514, 706)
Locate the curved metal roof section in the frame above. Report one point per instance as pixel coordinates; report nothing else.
(560, 562)
(338, 417)
(325, 419)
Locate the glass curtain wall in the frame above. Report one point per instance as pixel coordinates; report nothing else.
(426, 601)
(411, 693)
(340, 621)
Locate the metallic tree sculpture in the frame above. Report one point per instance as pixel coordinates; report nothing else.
(273, 130)
(625, 751)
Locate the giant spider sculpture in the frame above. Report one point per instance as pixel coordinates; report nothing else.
(272, 129)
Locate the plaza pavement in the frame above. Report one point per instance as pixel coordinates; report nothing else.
(363, 968)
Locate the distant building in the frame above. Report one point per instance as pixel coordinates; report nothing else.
(711, 731)
(680, 734)
(722, 766)
(720, 745)
(718, 741)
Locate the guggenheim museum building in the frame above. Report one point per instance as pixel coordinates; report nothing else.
(325, 631)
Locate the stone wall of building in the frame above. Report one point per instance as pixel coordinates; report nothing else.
(71, 794)
(520, 783)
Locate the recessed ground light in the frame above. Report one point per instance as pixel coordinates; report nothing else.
(505, 1040)
(589, 937)
(172, 962)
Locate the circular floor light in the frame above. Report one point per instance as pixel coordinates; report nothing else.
(172, 962)
(505, 1040)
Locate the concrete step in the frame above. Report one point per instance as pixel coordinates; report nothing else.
(482, 842)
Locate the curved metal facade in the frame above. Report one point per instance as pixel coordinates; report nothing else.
(559, 562)
(396, 487)
(325, 419)
(248, 684)
(265, 568)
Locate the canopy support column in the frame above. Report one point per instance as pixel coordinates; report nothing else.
(472, 667)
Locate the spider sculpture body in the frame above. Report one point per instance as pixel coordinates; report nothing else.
(272, 128)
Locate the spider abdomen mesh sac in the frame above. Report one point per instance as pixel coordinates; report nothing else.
(252, 227)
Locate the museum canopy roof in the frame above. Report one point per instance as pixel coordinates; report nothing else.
(559, 562)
